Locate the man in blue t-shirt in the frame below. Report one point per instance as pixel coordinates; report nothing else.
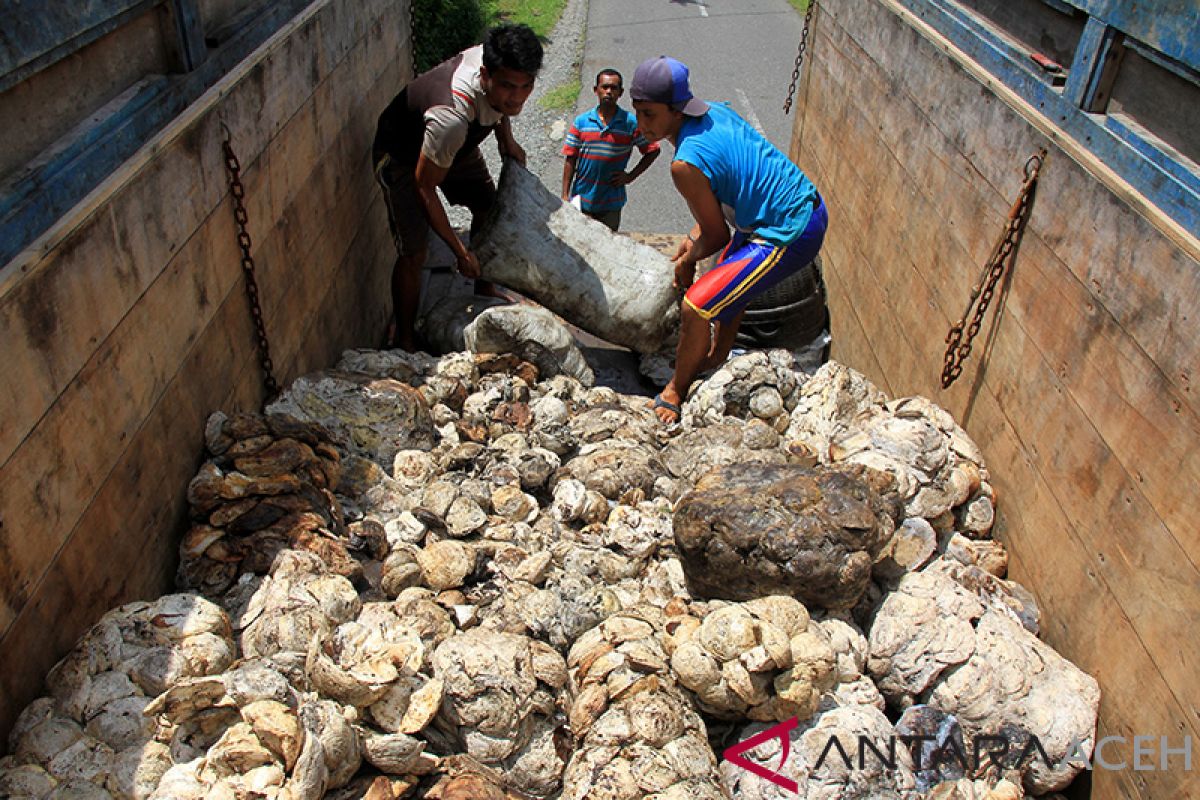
(731, 177)
(597, 150)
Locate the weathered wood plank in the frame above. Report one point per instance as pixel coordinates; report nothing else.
(915, 140)
(297, 301)
(69, 454)
(1146, 569)
(1145, 176)
(850, 343)
(33, 41)
(1088, 371)
(1172, 28)
(53, 472)
(31, 326)
(1110, 353)
(365, 325)
(140, 499)
(874, 280)
(1051, 324)
(1082, 445)
(292, 307)
(1090, 77)
(38, 463)
(348, 301)
(183, 35)
(185, 173)
(897, 289)
(1070, 621)
(1150, 430)
(865, 290)
(131, 362)
(42, 188)
(1079, 616)
(1131, 239)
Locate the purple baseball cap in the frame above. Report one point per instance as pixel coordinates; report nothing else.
(665, 80)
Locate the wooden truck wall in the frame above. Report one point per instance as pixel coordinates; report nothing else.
(1079, 389)
(126, 321)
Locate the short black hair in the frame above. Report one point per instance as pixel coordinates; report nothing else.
(512, 47)
(609, 71)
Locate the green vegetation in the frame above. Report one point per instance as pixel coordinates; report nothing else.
(444, 27)
(561, 98)
(541, 15)
(799, 5)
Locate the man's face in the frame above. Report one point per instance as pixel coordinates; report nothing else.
(657, 121)
(609, 90)
(506, 89)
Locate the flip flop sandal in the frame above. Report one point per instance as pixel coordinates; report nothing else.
(674, 409)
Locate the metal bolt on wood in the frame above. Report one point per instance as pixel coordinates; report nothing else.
(787, 104)
(238, 191)
(958, 348)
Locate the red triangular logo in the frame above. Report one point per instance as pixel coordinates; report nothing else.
(780, 731)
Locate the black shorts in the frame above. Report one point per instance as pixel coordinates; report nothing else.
(468, 183)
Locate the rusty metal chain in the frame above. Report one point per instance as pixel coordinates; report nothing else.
(412, 36)
(243, 239)
(787, 104)
(958, 348)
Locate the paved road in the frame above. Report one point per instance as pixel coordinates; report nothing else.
(739, 51)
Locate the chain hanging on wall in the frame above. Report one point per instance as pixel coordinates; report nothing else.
(958, 348)
(787, 104)
(243, 239)
(412, 36)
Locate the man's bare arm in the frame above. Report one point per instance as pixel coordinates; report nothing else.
(709, 234)
(623, 178)
(506, 144)
(429, 176)
(569, 165)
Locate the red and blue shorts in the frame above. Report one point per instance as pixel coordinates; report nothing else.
(747, 268)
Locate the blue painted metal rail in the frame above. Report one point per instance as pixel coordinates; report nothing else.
(1168, 31)
(39, 194)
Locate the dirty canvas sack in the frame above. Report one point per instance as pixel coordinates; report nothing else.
(533, 334)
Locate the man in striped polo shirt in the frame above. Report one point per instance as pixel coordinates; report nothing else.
(597, 151)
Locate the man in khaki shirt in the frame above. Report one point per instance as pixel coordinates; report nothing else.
(429, 136)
